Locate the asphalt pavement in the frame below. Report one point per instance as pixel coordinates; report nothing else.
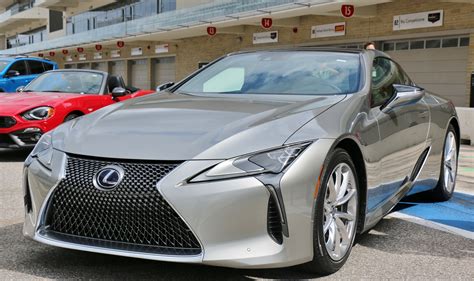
(404, 245)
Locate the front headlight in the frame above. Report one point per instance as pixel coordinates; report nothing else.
(273, 161)
(43, 150)
(39, 113)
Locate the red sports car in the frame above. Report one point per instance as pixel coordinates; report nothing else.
(56, 97)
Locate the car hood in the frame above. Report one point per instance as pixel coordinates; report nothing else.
(12, 104)
(182, 127)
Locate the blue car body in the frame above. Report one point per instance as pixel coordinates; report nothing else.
(19, 71)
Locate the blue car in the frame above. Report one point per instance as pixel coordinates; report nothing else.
(19, 71)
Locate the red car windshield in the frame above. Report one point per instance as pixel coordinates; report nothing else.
(77, 82)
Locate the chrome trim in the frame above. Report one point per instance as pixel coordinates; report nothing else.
(422, 165)
(100, 186)
(67, 245)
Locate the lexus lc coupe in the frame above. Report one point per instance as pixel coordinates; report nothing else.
(261, 159)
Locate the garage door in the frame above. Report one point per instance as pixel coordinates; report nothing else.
(102, 66)
(118, 68)
(164, 70)
(436, 64)
(139, 74)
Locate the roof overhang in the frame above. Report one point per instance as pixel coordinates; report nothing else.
(230, 23)
(22, 21)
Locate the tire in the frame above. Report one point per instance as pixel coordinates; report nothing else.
(325, 261)
(447, 178)
(71, 117)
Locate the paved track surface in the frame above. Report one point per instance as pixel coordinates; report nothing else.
(396, 248)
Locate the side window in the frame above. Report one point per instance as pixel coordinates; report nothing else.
(19, 66)
(36, 67)
(385, 73)
(48, 66)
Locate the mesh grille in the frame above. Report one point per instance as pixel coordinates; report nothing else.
(7, 122)
(274, 226)
(134, 213)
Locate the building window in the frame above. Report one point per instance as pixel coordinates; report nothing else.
(55, 21)
(414, 45)
(450, 42)
(401, 46)
(430, 44)
(464, 41)
(388, 47)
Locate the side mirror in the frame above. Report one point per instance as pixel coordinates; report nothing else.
(20, 89)
(404, 95)
(118, 92)
(12, 73)
(164, 86)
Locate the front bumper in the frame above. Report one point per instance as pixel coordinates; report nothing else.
(26, 138)
(229, 218)
(22, 134)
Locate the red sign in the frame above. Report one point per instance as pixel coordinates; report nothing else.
(65, 52)
(120, 44)
(267, 23)
(347, 11)
(80, 49)
(211, 30)
(40, 55)
(339, 28)
(51, 54)
(98, 47)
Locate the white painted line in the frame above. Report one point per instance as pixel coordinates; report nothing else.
(435, 225)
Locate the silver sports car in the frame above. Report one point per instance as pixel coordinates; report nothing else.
(261, 159)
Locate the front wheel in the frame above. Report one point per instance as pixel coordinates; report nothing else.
(335, 215)
(70, 117)
(449, 167)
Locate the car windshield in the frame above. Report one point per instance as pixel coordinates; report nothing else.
(279, 73)
(3, 64)
(78, 82)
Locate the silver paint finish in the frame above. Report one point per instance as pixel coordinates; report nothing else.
(229, 216)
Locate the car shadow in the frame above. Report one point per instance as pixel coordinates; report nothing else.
(391, 235)
(14, 155)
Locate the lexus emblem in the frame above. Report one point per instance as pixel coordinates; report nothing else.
(108, 177)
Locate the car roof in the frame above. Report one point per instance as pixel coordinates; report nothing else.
(14, 58)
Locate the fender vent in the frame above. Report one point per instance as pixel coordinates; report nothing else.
(274, 226)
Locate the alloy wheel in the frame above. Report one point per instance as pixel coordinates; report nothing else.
(340, 211)
(450, 162)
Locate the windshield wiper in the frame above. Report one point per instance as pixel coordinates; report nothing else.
(52, 91)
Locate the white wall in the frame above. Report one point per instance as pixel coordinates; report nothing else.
(466, 118)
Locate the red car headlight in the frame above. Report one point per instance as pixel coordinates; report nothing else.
(39, 113)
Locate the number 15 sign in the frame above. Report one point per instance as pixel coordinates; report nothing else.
(347, 11)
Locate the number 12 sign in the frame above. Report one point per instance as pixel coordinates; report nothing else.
(347, 11)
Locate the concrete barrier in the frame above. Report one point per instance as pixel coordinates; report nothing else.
(466, 122)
